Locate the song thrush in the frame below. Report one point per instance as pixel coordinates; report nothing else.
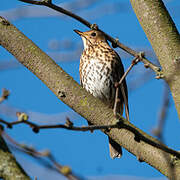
(100, 68)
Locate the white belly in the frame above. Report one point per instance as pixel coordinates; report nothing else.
(97, 79)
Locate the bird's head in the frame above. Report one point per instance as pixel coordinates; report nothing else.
(91, 37)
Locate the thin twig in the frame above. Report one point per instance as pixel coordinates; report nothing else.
(36, 128)
(134, 62)
(115, 42)
(119, 85)
(59, 9)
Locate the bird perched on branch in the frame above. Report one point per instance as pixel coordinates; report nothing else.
(100, 68)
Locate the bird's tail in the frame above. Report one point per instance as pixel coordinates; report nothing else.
(115, 149)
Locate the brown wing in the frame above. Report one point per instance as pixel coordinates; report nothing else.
(123, 91)
(117, 73)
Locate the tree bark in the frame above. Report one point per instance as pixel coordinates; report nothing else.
(165, 40)
(9, 167)
(143, 146)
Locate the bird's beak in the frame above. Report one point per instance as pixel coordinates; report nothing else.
(78, 32)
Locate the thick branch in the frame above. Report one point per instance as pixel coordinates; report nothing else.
(165, 40)
(71, 93)
(9, 167)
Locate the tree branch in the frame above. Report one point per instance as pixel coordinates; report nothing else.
(68, 125)
(118, 85)
(9, 167)
(165, 40)
(145, 147)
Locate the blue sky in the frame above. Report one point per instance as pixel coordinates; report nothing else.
(86, 153)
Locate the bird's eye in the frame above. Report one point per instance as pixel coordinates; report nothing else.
(93, 34)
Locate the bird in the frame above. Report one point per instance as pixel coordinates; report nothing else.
(100, 68)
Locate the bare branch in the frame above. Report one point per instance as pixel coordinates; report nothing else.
(9, 167)
(118, 85)
(22, 119)
(165, 40)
